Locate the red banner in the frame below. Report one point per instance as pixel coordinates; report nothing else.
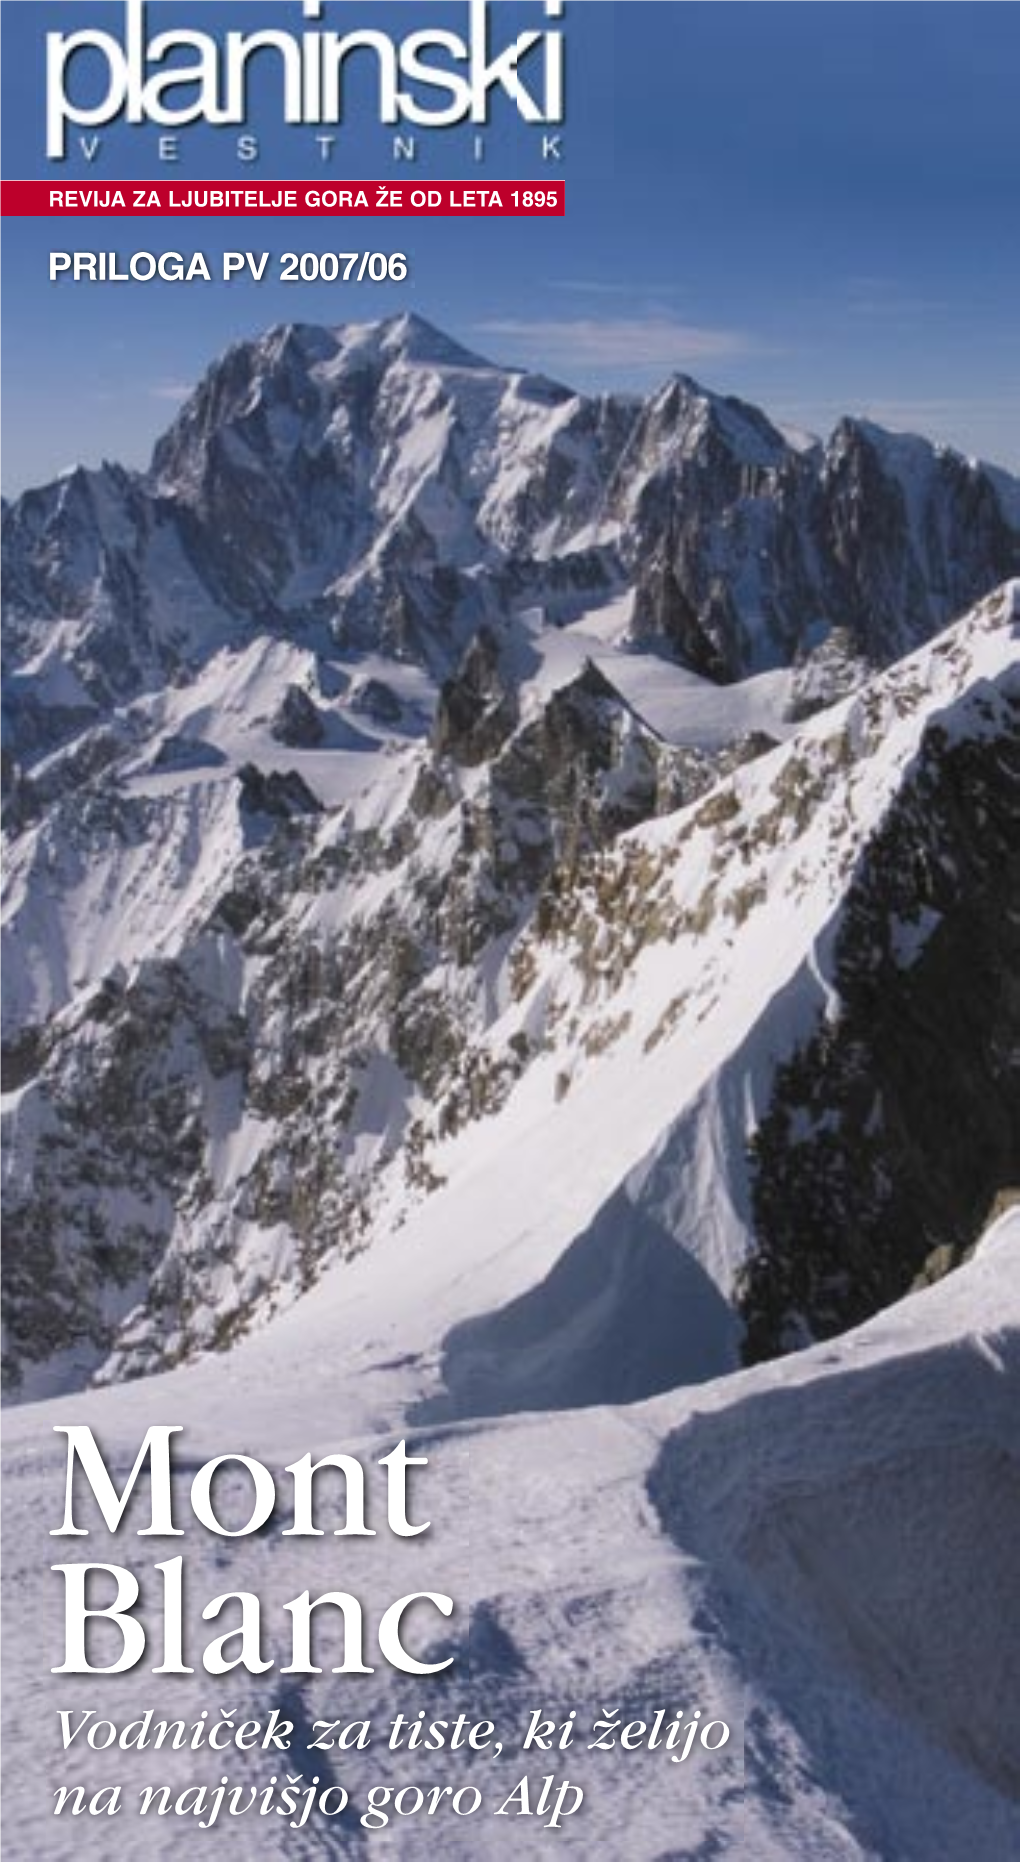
(266, 199)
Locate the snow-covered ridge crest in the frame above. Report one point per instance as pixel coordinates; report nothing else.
(365, 1017)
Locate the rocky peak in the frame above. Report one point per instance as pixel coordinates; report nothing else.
(477, 707)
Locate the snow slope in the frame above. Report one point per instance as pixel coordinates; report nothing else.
(690, 957)
(818, 1551)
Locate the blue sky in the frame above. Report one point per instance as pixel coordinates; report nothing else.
(816, 206)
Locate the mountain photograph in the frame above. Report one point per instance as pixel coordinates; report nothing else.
(420, 753)
(512, 910)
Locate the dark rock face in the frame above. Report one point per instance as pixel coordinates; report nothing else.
(72, 1269)
(377, 701)
(891, 1132)
(280, 793)
(664, 613)
(477, 707)
(741, 545)
(563, 760)
(297, 722)
(902, 529)
(181, 752)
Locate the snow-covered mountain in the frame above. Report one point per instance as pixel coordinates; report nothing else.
(379, 487)
(365, 803)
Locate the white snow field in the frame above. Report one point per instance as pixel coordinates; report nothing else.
(820, 1552)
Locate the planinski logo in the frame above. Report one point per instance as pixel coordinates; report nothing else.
(433, 78)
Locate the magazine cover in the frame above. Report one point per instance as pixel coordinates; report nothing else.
(511, 1101)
